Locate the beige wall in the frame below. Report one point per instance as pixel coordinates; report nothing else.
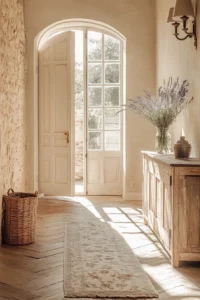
(12, 94)
(180, 59)
(12, 97)
(136, 21)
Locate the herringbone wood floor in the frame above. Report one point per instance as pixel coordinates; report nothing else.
(36, 271)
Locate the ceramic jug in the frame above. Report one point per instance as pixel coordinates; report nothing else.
(182, 148)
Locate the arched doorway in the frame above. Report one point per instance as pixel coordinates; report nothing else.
(100, 126)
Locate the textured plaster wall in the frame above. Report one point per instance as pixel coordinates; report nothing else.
(180, 59)
(12, 95)
(136, 21)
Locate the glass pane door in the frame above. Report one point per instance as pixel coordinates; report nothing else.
(104, 157)
(103, 92)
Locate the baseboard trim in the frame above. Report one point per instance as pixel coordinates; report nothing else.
(132, 196)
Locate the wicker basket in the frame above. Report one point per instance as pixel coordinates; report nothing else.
(19, 218)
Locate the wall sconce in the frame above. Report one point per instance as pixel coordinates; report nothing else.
(181, 13)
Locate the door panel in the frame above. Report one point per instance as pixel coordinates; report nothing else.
(61, 167)
(94, 171)
(56, 95)
(189, 213)
(44, 99)
(61, 106)
(111, 169)
(47, 170)
(61, 50)
(104, 173)
(104, 95)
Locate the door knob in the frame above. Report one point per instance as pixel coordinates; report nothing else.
(67, 135)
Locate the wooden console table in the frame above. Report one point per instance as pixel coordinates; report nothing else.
(171, 204)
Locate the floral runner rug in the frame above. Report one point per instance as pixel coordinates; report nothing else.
(98, 263)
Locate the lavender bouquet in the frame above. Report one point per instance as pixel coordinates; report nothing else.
(162, 110)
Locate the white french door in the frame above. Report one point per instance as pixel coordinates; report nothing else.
(56, 99)
(104, 94)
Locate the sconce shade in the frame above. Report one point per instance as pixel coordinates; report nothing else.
(183, 8)
(170, 16)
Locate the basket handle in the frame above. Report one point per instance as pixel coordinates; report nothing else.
(10, 191)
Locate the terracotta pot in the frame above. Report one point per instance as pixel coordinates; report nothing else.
(182, 148)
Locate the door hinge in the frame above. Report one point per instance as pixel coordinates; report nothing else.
(170, 180)
(37, 70)
(86, 155)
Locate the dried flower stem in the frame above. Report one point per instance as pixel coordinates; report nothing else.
(162, 110)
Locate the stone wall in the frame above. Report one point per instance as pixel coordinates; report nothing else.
(12, 95)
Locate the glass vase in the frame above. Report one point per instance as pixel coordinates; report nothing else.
(163, 141)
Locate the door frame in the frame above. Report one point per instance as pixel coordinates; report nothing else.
(41, 38)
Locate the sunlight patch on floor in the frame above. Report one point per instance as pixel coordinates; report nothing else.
(128, 222)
